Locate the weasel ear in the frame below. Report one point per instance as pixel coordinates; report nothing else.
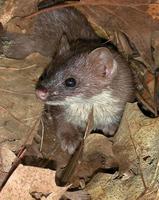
(64, 46)
(101, 59)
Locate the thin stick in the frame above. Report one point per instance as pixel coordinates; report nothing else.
(14, 166)
(20, 154)
(90, 124)
(30, 134)
(17, 69)
(42, 134)
(154, 179)
(13, 116)
(156, 89)
(17, 92)
(138, 157)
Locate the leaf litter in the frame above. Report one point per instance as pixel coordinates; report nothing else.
(134, 149)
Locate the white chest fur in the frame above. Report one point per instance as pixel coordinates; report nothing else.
(106, 110)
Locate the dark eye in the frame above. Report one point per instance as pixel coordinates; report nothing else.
(70, 82)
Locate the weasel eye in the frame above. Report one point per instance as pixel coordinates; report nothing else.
(70, 82)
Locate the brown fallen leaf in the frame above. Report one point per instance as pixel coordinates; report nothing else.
(131, 134)
(124, 22)
(26, 181)
(97, 155)
(133, 140)
(6, 159)
(136, 149)
(134, 25)
(19, 108)
(12, 8)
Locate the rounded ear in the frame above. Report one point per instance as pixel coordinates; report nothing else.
(64, 45)
(103, 61)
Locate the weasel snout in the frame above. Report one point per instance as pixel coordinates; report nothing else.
(42, 93)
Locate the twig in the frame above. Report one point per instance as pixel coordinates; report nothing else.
(90, 124)
(17, 69)
(156, 88)
(145, 103)
(30, 134)
(138, 158)
(42, 134)
(157, 196)
(17, 92)
(20, 155)
(29, 118)
(14, 166)
(13, 116)
(154, 179)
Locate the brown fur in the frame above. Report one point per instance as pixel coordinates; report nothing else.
(103, 80)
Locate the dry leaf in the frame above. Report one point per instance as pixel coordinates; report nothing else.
(7, 158)
(19, 108)
(26, 181)
(135, 19)
(136, 147)
(97, 155)
(138, 129)
(13, 8)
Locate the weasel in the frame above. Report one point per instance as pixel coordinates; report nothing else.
(89, 76)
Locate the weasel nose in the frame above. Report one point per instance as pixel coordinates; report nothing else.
(42, 93)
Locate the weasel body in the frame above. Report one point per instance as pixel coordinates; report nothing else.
(92, 76)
